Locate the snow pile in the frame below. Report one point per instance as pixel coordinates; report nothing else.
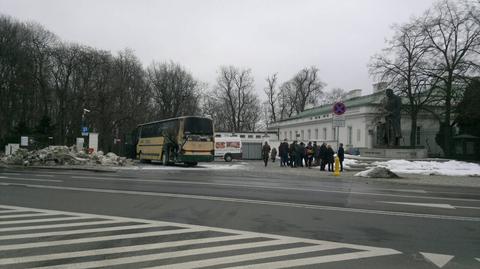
(63, 155)
(449, 168)
(349, 163)
(377, 172)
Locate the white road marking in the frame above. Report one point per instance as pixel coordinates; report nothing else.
(171, 254)
(467, 207)
(32, 179)
(445, 206)
(259, 202)
(282, 188)
(96, 239)
(93, 230)
(243, 257)
(438, 259)
(42, 220)
(267, 240)
(313, 260)
(23, 215)
(104, 251)
(407, 190)
(63, 225)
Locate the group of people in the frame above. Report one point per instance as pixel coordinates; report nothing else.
(301, 155)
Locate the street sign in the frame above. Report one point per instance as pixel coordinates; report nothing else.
(338, 121)
(84, 131)
(339, 108)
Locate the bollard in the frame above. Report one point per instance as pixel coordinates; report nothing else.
(337, 167)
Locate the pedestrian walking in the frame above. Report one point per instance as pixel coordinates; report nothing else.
(265, 152)
(273, 154)
(341, 156)
(330, 158)
(315, 153)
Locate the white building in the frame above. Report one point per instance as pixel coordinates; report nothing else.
(251, 136)
(361, 119)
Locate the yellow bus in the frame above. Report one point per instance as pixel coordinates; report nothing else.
(186, 140)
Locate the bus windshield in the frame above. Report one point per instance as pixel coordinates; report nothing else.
(199, 126)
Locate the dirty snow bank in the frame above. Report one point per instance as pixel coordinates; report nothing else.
(63, 155)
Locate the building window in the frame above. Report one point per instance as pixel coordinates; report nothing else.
(290, 135)
(334, 133)
(358, 135)
(296, 134)
(258, 136)
(218, 135)
(250, 136)
(324, 136)
(303, 135)
(309, 132)
(242, 136)
(316, 134)
(349, 138)
(418, 135)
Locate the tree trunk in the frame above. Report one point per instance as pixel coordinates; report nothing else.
(413, 129)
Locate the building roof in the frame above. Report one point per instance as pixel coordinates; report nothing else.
(371, 99)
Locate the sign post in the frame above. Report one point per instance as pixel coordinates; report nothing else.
(338, 120)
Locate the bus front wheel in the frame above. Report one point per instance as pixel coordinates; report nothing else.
(228, 158)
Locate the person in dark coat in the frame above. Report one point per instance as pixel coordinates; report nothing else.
(299, 153)
(322, 154)
(341, 156)
(330, 158)
(265, 152)
(309, 152)
(292, 151)
(283, 152)
(273, 154)
(315, 152)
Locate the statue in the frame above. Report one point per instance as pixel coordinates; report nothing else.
(392, 108)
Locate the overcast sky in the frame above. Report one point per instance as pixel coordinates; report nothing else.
(337, 36)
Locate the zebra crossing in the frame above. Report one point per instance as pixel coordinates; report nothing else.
(48, 239)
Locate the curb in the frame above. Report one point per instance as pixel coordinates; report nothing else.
(91, 169)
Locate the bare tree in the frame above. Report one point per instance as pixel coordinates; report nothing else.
(175, 91)
(305, 88)
(403, 65)
(454, 35)
(332, 96)
(234, 100)
(271, 92)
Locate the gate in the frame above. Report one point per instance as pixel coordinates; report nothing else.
(251, 150)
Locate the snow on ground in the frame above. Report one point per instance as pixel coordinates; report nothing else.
(449, 168)
(348, 162)
(201, 166)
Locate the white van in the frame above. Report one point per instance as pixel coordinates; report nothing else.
(228, 148)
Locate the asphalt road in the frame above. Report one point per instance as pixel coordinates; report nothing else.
(232, 218)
